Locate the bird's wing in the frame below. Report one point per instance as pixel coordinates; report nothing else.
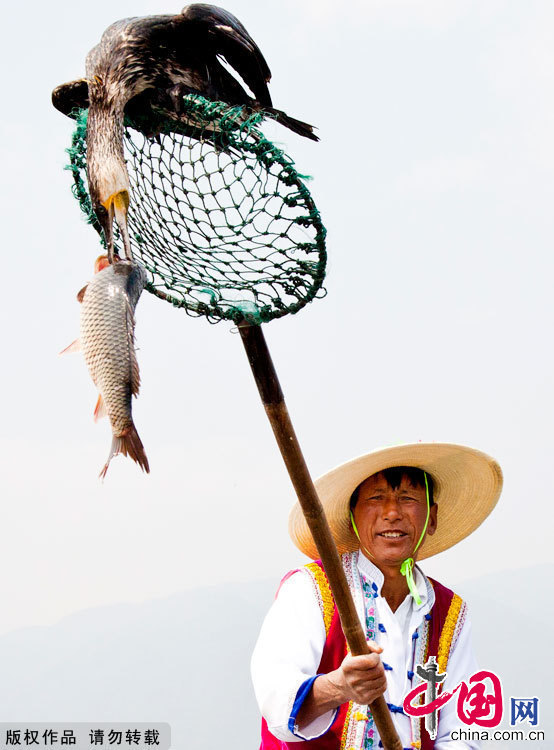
(71, 96)
(214, 29)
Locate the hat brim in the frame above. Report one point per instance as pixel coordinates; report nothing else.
(467, 484)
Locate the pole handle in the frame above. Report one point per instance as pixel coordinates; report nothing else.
(277, 413)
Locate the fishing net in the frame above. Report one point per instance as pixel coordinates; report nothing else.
(219, 216)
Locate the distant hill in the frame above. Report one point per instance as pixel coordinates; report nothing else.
(185, 659)
(512, 615)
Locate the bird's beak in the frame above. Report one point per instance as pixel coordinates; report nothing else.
(116, 206)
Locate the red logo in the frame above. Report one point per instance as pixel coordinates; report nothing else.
(479, 700)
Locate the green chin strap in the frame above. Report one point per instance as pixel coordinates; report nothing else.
(368, 553)
(407, 566)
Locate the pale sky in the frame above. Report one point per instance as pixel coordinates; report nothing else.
(434, 177)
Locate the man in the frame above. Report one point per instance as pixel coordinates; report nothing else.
(385, 510)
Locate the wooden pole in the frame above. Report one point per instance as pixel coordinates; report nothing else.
(276, 410)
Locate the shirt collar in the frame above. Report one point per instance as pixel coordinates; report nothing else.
(424, 588)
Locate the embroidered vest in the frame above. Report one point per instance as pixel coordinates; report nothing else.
(441, 631)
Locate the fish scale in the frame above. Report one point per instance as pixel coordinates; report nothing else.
(107, 341)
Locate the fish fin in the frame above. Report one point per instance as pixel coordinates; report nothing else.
(114, 451)
(135, 373)
(100, 408)
(130, 318)
(75, 346)
(130, 445)
(81, 293)
(102, 262)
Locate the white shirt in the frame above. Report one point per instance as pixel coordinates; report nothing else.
(291, 641)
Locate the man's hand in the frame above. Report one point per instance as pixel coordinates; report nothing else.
(359, 678)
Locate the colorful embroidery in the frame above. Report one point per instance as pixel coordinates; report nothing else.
(459, 624)
(324, 595)
(350, 565)
(447, 634)
(357, 717)
(345, 729)
(369, 592)
(420, 652)
(369, 608)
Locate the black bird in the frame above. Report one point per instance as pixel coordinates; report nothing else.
(152, 62)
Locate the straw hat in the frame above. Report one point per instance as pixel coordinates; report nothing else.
(467, 485)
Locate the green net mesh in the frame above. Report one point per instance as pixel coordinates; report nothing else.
(219, 216)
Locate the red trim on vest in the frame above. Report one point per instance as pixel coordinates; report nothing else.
(285, 578)
(334, 652)
(443, 599)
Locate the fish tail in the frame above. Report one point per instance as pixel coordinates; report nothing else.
(130, 445)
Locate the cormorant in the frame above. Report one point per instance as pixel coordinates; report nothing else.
(153, 62)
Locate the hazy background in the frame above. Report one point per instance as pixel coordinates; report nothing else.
(434, 177)
(184, 659)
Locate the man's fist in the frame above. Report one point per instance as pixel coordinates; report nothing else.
(361, 678)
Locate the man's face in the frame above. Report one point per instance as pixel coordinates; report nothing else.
(390, 521)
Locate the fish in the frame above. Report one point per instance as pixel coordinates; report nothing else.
(107, 341)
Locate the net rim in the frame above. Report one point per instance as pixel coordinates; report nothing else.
(237, 123)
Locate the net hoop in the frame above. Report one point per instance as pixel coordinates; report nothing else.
(264, 262)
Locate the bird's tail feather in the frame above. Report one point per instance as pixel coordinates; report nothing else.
(130, 445)
(297, 126)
